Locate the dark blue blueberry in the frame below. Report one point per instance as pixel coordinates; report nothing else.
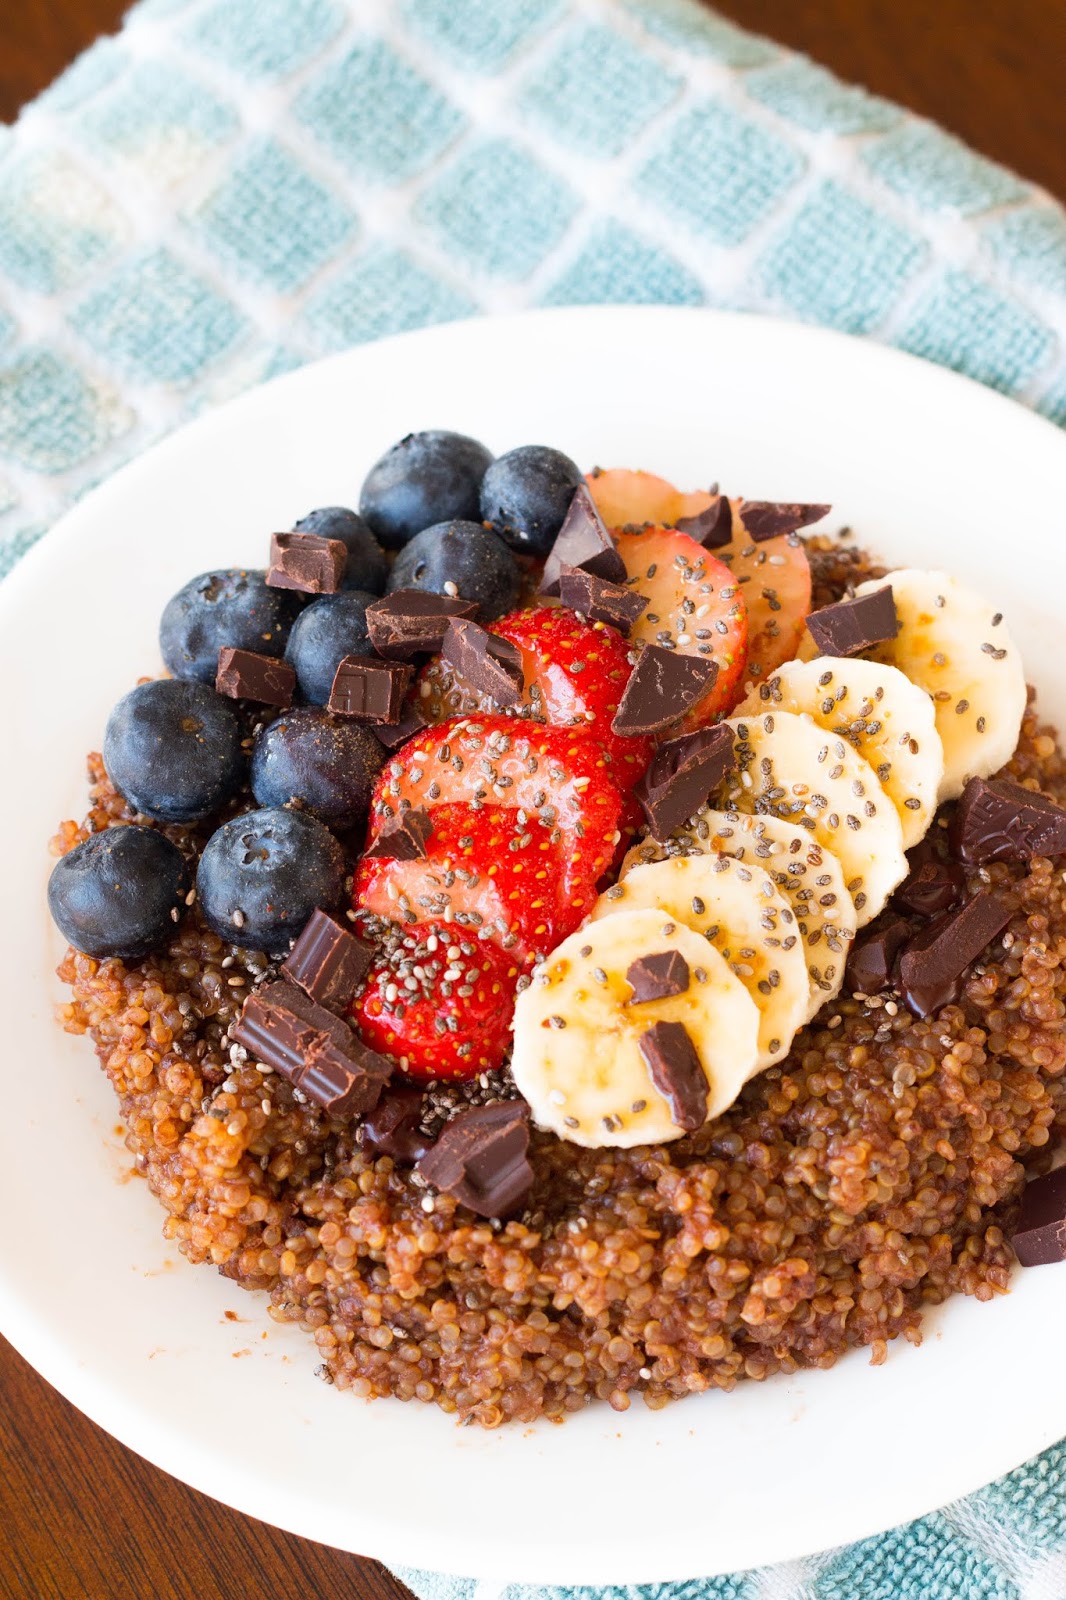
(115, 894)
(327, 763)
(426, 478)
(468, 558)
(330, 628)
(261, 876)
(173, 750)
(368, 565)
(233, 607)
(527, 493)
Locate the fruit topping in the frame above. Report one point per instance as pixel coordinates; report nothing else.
(526, 494)
(173, 750)
(462, 560)
(230, 607)
(263, 874)
(119, 893)
(330, 628)
(426, 478)
(329, 765)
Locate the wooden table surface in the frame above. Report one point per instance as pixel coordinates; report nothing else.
(79, 1514)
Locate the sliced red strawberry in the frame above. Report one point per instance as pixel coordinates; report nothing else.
(624, 497)
(440, 1002)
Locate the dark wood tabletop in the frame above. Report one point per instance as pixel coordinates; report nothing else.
(81, 1516)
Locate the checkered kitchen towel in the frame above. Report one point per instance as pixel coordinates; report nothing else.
(232, 187)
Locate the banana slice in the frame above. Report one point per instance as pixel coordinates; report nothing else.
(737, 909)
(577, 1032)
(888, 719)
(954, 645)
(794, 769)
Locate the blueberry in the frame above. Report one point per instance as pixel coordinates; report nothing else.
(368, 565)
(232, 606)
(261, 876)
(114, 894)
(173, 750)
(331, 627)
(327, 763)
(426, 478)
(463, 554)
(527, 493)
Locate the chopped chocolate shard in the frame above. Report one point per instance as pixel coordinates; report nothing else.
(599, 600)
(872, 960)
(768, 519)
(663, 686)
(682, 775)
(1002, 821)
(327, 961)
(675, 1070)
(933, 886)
(317, 1052)
(583, 541)
(480, 1158)
(244, 675)
(712, 528)
(1039, 1235)
(393, 734)
(369, 689)
(392, 1128)
(410, 622)
(490, 665)
(306, 562)
(932, 966)
(403, 838)
(658, 976)
(853, 625)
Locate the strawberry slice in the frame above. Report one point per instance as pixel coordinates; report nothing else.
(440, 1002)
(624, 497)
(575, 674)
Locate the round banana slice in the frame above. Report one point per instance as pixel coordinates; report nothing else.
(578, 1028)
(737, 908)
(888, 719)
(955, 646)
(790, 767)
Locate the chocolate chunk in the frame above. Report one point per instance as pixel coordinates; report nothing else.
(393, 734)
(933, 886)
(490, 665)
(682, 775)
(932, 966)
(393, 1127)
(1040, 1233)
(853, 625)
(583, 541)
(403, 837)
(768, 519)
(662, 687)
(658, 976)
(244, 675)
(599, 600)
(317, 1052)
(411, 622)
(306, 562)
(369, 689)
(1002, 821)
(327, 961)
(675, 1070)
(872, 959)
(712, 528)
(480, 1158)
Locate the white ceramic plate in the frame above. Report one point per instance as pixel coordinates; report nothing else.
(930, 469)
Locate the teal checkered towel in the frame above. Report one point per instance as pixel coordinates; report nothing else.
(232, 187)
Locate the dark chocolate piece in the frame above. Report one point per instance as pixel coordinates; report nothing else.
(932, 966)
(658, 976)
(1002, 821)
(662, 687)
(393, 1127)
(490, 665)
(682, 775)
(393, 734)
(584, 541)
(317, 1052)
(327, 961)
(403, 837)
(872, 959)
(244, 675)
(712, 528)
(599, 600)
(369, 689)
(1040, 1233)
(306, 562)
(480, 1158)
(768, 519)
(411, 622)
(853, 625)
(675, 1070)
(932, 887)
